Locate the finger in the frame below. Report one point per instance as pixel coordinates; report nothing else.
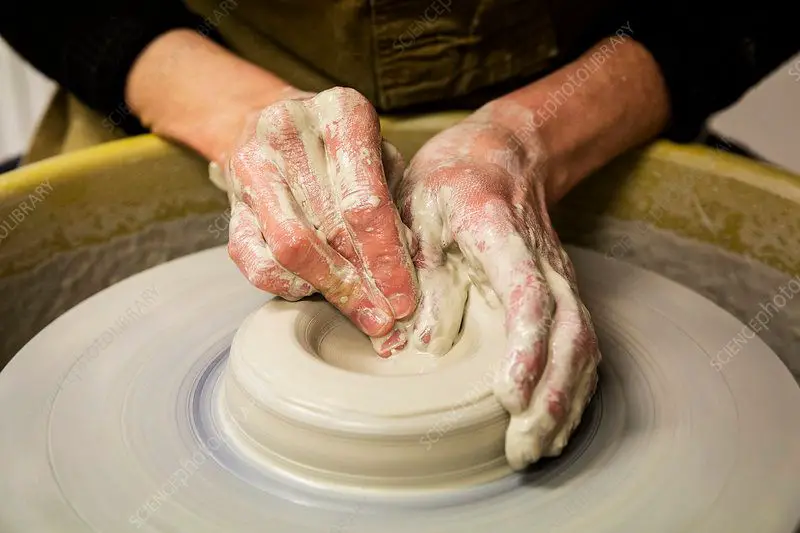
(395, 171)
(352, 139)
(443, 285)
(573, 343)
(572, 375)
(298, 146)
(298, 248)
(559, 400)
(394, 341)
(486, 231)
(249, 252)
(537, 432)
(395, 167)
(444, 292)
(582, 395)
(528, 305)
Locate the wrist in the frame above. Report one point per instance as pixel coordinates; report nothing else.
(189, 89)
(582, 116)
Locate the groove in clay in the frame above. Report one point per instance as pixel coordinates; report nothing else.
(312, 377)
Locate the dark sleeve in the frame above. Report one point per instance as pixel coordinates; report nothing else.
(710, 52)
(88, 48)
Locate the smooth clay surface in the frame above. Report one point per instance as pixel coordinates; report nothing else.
(765, 300)
(312, 378)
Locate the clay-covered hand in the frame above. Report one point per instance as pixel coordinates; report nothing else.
(311, 211)
(474, 198)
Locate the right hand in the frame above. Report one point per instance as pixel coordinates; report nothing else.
(311, 210)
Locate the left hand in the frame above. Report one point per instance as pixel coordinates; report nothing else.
(311, 210)
(474, 198)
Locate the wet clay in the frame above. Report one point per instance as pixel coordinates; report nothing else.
(311, 212)
(301, 376)
(752, 290)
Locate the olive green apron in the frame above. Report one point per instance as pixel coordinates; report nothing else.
(403, 55)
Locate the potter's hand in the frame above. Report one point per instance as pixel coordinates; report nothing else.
(311, 210)
(474, 199)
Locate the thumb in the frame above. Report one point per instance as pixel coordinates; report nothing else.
(514, 274)
(444, 290)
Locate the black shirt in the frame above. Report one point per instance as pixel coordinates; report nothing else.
(710, 52)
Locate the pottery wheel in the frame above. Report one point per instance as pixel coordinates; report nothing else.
(116, 425)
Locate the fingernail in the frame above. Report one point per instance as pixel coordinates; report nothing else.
(395, 342)
(402, 305)
(424, 337)
(373, 320)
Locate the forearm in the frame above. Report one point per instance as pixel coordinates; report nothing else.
(89, 51)
(190, 89)
(709, 52)
(608, 101)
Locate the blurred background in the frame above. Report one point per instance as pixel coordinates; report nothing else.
(765, 122)
(24, 94)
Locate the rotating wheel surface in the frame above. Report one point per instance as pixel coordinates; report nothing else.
(109, 424)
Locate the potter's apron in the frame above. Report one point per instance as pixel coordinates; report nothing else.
(404, 55)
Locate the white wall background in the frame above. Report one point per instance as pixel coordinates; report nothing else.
(766, 119)
(24, 94)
